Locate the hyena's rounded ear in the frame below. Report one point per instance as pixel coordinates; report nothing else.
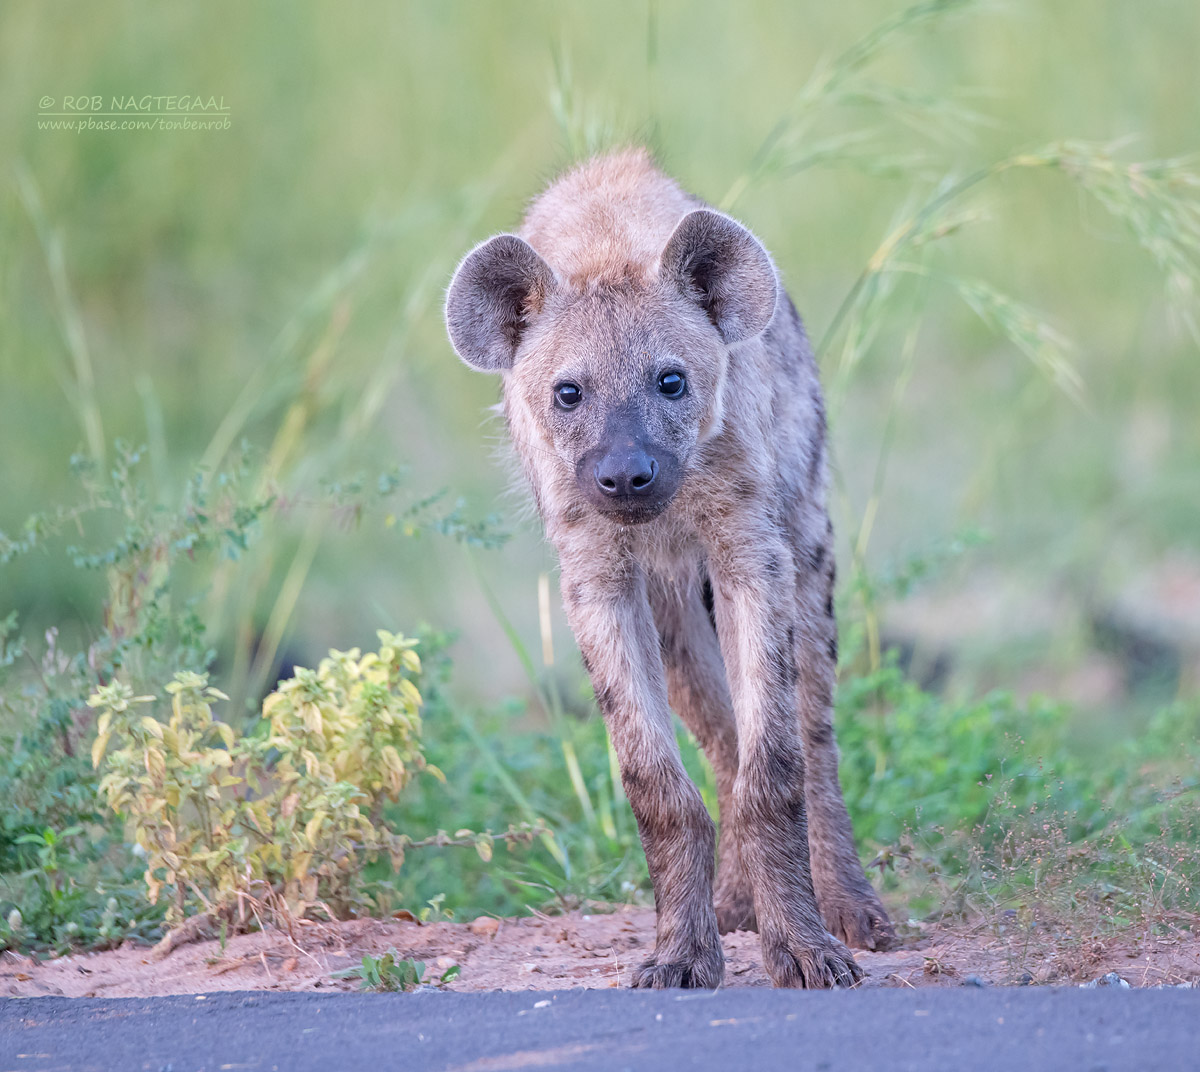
(725, 270)
(497, 288)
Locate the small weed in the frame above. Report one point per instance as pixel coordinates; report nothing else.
(391, 972)
(434, 910)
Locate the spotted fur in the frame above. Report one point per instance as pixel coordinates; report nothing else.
(714, 594)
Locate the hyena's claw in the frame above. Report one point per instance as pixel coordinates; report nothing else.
(704, 971)
(821, 965)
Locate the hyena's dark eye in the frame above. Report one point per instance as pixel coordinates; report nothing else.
(672, 384)
(568, 395)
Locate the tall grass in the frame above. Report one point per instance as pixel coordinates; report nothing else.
(80, 386)
(1158, 201)
(347, 200)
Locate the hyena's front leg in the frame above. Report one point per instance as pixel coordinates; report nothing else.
(754, 588)
(699, 694)
(615, 631)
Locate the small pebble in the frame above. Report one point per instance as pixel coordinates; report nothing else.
(972, 980)
(1111, 979)
(485, 926)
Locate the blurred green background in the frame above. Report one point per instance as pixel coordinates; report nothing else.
(188, 289)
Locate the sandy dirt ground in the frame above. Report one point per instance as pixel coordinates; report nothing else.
(577, 950)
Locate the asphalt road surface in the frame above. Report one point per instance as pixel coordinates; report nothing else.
(1025, 1029)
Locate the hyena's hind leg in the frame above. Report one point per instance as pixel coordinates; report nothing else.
(849, 905)
(699, 694)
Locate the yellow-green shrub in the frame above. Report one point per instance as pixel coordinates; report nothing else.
(285, 818)
(347, 737)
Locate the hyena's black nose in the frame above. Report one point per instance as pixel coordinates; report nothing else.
(624, 473)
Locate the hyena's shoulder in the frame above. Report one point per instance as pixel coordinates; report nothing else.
(791, 451)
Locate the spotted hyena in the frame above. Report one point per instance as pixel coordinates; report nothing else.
(662, 397)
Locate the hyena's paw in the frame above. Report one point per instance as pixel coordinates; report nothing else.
(861, 925)
(701, 969)
(817, 965)
(735, 910)
(857, 918)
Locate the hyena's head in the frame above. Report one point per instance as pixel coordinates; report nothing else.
(616, 380)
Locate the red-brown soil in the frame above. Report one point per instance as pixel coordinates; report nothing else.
(575, 950)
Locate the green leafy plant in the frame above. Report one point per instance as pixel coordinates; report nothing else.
(354, 721)
(284, 819)
(391, 972)
(221, 815)
(987, 810)
(48, 843)
(71, 897)
(150, 626)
